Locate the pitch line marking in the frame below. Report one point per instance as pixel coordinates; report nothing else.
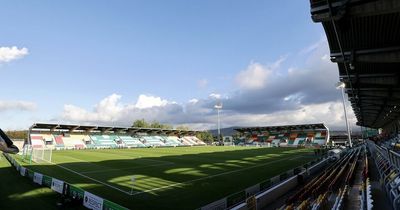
(211, 176)
(172, 185)
(88, 177)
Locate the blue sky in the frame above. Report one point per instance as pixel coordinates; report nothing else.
(82, 53)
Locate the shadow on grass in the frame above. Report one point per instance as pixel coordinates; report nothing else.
(20, 193)
(172, 181)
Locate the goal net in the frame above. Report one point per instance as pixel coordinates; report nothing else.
(27, 152)
(41, 155)
(37, 155)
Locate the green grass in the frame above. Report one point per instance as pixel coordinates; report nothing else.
(171, 178)
(17, 192)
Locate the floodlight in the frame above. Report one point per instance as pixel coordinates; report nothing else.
(342, 85)
(218, 106)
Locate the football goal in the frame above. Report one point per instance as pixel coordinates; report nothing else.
(37, 155)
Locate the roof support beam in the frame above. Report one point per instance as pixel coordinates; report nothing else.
(378, 55)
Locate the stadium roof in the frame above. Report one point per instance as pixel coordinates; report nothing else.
(318, 126)
(105, 129)
(364, 40)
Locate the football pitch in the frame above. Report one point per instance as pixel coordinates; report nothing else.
(170, 178)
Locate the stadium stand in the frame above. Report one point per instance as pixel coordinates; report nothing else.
(364, 41)
(59, 136)
(319, 138)
(287, 135)
(337, 178)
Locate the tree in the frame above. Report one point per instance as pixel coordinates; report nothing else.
(205, 136)
(182, 128)
(140, 124)
(167, 126)
(17, 134)
(156, 124)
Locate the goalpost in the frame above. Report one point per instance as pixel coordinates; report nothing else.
(27, 153)
(41, 155)
(37, 155)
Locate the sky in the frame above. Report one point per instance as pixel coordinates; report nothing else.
(112, 62)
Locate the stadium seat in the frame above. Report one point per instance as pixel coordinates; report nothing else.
(175, 140)
(130, 141)
(69, 142)
(59, 141)
(37, 141)
(151, 141)
(198, 141)
(298, 140)
(171, 142)
(186, 142)
(104, 141)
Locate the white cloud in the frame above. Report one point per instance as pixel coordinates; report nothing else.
(193, 100)
(17, 105)
(330, 113)
(108, 109)
(304, 94)
(254, 77)
(8, 54)
(109, 105)
(111, 109)
(145, 101)
(78, 114)
(214, 96)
